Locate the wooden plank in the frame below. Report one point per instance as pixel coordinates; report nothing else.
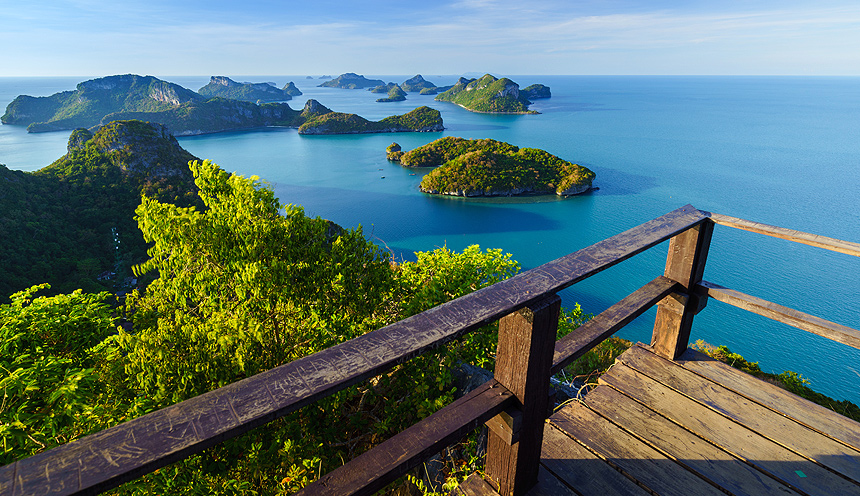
(705, 459)
(523, 360)
(475, 485)
(549, 485)
(809, 323)
(831, 244)
(374, 469)
(127, 451)
(733, 437)
(581, 469)
(814, 416)
(626, 453)
(685, 263)
(764, 421)
(608, 322)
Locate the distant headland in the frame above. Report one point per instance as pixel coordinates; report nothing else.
(492, 95)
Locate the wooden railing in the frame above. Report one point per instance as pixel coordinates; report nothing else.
(513, 405)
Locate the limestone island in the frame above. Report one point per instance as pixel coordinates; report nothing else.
(382, 88)
(100, 101)
(416, 84)
(351, 81)
(422, 119)
(224, 87)
(395, 94)
(290, 89)
(486, 167)
(490, 95)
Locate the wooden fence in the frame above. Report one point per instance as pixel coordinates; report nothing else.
(513, 405)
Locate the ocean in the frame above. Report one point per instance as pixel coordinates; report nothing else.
(777, 150)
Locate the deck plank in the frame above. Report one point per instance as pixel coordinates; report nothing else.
(550, 485)
(474, 485)
(774, 397)
(768, 456)
(581, 469)
(623, 451)
(707, 460)
(764, 421)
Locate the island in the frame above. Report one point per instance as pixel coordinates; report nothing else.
(488, 94)
(224, 87)
(382, 88)
(536, 91)
(416, 84)
(429, 91)
(422, 119)
(486, 167)
(395, 94)
(351, 81)
(100, 101)
(290, 89)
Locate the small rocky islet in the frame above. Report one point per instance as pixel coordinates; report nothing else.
(486, 167)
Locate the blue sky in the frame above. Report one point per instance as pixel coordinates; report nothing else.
(160, 37)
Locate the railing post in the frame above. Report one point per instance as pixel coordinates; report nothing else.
(685, 264)
(523, 362)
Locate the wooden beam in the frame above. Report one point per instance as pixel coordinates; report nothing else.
(111, 457)
(523, 361)
(809, 323)
(374, 469)
(608, 322)
(685, 264)
(831, 244)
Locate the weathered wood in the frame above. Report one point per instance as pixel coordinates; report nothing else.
(549, 485)
(475, 485)
(765, 454)
(374, 469)
(581, 469)
(819, 418)
(810, 323)
(608, 322)
(650, 468)
(119, 454)
(685, 264)
(523, 361)
(831, 244)
(705, 459)
(507, 424)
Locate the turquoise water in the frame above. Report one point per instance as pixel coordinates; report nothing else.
(778, 150)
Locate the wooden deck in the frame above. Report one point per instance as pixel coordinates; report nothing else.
(693, 426)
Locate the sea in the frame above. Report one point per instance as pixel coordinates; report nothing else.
(777, 150)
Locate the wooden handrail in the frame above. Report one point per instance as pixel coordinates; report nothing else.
(106, 459)
(810, 323)
(831, 244)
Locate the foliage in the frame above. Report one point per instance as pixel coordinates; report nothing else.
(416, 83)
(48, 368)
(792, 381)
(395, 94)
(535, 91)
(489, 167)
(382, 88)
(351, 81)
(487, 94)
(72, 222)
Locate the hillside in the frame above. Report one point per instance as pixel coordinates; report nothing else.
(487, 94)
(224, 87)
(487, 167)
(84, 234)
(87, 105)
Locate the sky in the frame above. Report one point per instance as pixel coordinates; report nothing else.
(380, 37)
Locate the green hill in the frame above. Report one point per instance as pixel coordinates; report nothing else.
(422, 119)
(351, 81)
(487, 167)
(224, 87)
(487, 94)
(71, 224)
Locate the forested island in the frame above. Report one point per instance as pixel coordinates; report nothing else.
(492, 95)
(130, 97)
(395, 94)
(486, 167)
(352, 81)
(224, 87)
(422, 119)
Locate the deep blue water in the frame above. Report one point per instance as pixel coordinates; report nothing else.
(778, 150)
